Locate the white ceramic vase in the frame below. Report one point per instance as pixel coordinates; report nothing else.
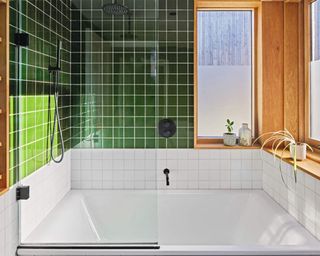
(229, 139)
(301, 151)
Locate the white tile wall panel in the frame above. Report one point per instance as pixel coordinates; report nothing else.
(143, 169)
(9, 232)
(48, 186)
(301, 199)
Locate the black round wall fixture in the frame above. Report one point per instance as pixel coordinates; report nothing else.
(167, 128)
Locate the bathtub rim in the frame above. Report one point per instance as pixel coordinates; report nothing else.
(24, 250)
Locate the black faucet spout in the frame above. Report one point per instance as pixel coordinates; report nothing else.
(166, 172)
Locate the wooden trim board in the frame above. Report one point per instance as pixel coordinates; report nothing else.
(4, 96)
(291, 68)
(306, 96)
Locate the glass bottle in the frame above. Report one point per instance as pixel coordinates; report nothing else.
(245, 136)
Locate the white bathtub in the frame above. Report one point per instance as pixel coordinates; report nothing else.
(181, 222)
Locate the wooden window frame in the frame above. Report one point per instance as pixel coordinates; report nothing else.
(254, 6)
(4, 96)
(307, 37)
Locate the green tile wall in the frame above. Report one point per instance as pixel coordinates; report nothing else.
(45, 22)
(127, 74)
(175, 67)
(120, 76)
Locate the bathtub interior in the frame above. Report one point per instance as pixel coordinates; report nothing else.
(91, 217)
(181, 218)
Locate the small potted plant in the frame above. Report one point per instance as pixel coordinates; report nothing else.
(283, 140)
(229, 138)
(298, 150)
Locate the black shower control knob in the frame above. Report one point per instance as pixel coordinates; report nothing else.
(167, 128)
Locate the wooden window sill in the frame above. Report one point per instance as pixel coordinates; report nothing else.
(309, 166)
(222, 146)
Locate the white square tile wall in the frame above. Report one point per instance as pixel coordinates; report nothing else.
(301, 199)
(210, 169)
(113, 169)
(9, 233)
(48, 186)
(143, 169)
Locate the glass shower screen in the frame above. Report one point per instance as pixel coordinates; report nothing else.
(108, 104)
(114, 50)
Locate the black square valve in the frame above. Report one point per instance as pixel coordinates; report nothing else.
(23, 193)
(21, 39)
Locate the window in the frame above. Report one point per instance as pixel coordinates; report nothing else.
(225, 79)
(314, 67)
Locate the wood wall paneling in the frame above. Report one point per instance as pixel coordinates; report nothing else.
(282, 65)
(291, 68)
(272, 66)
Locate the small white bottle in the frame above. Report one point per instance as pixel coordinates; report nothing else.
(245, 136)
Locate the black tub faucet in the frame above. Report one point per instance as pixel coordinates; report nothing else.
(166, 172)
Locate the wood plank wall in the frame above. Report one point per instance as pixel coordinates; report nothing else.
(272, 66)
(4, 95)
(282, 67)
(291, 68)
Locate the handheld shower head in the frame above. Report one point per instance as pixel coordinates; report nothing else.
(55, 71)
(58, 59)
(59, 47)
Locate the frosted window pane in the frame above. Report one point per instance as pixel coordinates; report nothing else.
(315, 72)
(224, 70)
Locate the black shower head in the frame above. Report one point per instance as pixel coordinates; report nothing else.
(116, 9)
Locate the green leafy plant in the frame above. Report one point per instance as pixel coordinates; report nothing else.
(281, 140)
(229, 125)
